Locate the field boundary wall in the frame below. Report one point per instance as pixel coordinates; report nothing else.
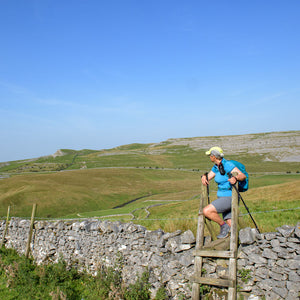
(268, 263)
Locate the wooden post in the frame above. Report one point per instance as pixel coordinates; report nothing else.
(6, 226)
(208, 221)
(210, 229)
(30, 230)
(199, 243)
(232, 294)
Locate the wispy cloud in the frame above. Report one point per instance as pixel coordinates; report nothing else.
(112, 105)
(271, 98)
(56, 102)
(13, 88)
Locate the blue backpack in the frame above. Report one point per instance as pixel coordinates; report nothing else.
(242, 185)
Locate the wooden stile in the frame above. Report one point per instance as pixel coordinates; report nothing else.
(210, 251)
(199, 244)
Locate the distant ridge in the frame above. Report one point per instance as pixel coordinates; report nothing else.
(281, 146)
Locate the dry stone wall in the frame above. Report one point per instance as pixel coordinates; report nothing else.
(268, 264)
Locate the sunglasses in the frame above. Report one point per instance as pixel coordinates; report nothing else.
(221, 169)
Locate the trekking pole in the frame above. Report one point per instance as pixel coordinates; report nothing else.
(246, 208)
(240, 197)
(207, 187)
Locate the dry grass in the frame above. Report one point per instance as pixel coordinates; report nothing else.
(268, 205)
(281, 192)
(63, 193)
(94, 192)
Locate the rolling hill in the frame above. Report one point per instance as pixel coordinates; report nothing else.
(88, 183)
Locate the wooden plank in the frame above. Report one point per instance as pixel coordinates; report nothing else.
(220, 244)
(234, 220)
(215, 253)
(199, 243)
(213, 281)
(210, 229)
(208, 222)
(232, 293)
(201, 219)
(223, 246)
(195, 285)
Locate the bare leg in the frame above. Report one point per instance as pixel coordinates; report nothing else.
(210, 212)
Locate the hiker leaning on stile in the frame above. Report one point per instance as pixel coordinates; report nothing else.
(222, 205)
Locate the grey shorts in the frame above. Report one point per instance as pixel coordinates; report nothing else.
(223, 206)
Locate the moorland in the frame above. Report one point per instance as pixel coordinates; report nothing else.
(156, 184)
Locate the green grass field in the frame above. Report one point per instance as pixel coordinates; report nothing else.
(167, 199)
(160, 185)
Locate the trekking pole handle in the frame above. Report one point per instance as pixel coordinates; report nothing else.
(230, 176)
(207, 187)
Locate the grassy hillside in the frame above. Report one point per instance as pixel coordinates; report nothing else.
(61, 193)
(167, 199)
(159, 182)
(174, 210)
(273, 152)
(264, 206)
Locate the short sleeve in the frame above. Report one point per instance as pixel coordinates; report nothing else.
(214, 169)
(229, 166)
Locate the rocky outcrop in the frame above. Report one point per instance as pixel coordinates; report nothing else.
(268, 263)
(58, 153)
(275, 146)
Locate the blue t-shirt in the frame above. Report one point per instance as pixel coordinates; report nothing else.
(224, 186)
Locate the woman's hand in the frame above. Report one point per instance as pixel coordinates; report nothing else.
(233, 180)
(204, 180)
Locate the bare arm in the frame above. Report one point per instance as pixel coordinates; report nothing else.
(239, 177)
(210, 176)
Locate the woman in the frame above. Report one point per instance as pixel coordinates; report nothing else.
(220, 172)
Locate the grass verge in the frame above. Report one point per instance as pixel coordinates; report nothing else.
(21, 278)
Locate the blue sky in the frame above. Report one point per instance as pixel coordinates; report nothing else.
(95, 74)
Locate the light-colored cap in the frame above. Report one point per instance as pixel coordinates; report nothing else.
(216, 151)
